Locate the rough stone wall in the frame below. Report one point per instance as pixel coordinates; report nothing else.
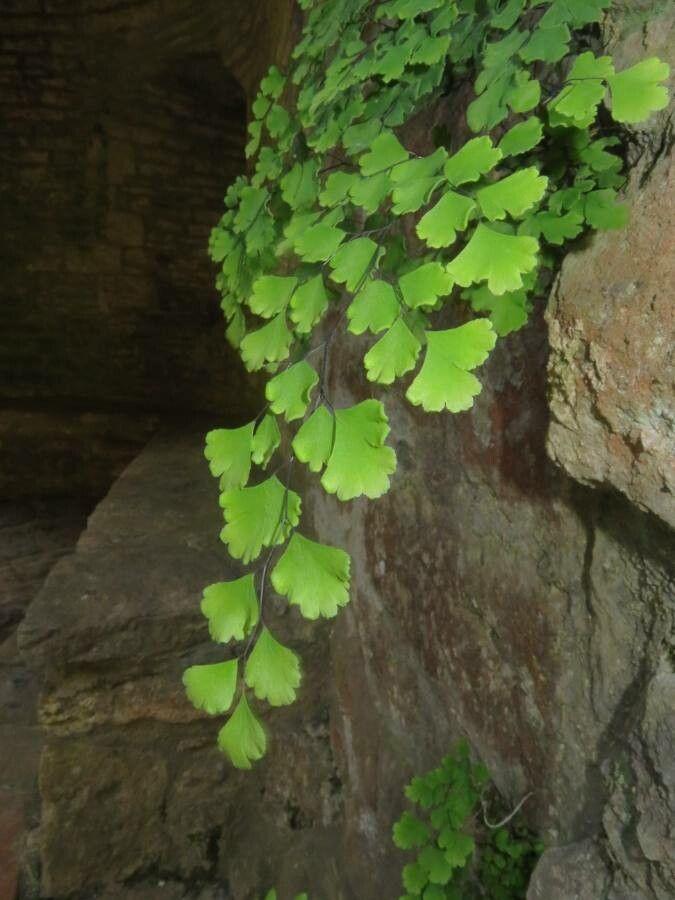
(519, 590)
(612, 326)
(120, 128)
(494, 599)
(121, 124)
(134, 790)
(34, 535)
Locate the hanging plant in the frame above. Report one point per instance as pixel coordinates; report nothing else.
(342, 229)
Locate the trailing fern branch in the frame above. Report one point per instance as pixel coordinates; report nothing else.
(339, 215)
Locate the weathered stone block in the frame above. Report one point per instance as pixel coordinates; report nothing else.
(114, 803)
(129, 763)
(120, 160)
(573, 872)
(611, 323)
(612, 332)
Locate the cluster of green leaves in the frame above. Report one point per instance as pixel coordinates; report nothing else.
(341, 225)
(506, 862)
(272, 895)
(458, 857)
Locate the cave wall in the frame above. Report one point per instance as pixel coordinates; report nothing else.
(515, 587)
(34, 535)
(121, 125)
(133, 787)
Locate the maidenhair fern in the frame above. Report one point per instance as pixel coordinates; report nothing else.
(272, 895)
(341, 227)
(459, 854)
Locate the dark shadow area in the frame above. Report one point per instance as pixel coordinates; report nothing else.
(109, 323)
(115, 156)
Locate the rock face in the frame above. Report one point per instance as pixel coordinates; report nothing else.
(33, 537)
(122, 125)
(133, 787)
(528, 607)
(611, 372)
(612, 330)
(497, 600)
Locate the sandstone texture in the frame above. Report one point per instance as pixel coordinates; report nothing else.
(497, 600)
(134, 790)
(612, 324)
(33, 537)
